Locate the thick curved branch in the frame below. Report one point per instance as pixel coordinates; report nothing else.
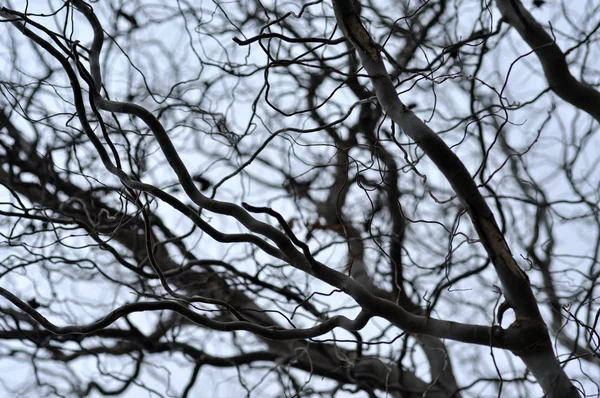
(514, 281)
(553, 60)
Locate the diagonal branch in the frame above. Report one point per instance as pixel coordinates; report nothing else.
(540, 357)
(551, 57)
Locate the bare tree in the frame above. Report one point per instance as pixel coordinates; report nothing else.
(322, 199)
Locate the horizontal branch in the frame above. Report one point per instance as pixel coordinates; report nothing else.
(262, 36)
(272, 332)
